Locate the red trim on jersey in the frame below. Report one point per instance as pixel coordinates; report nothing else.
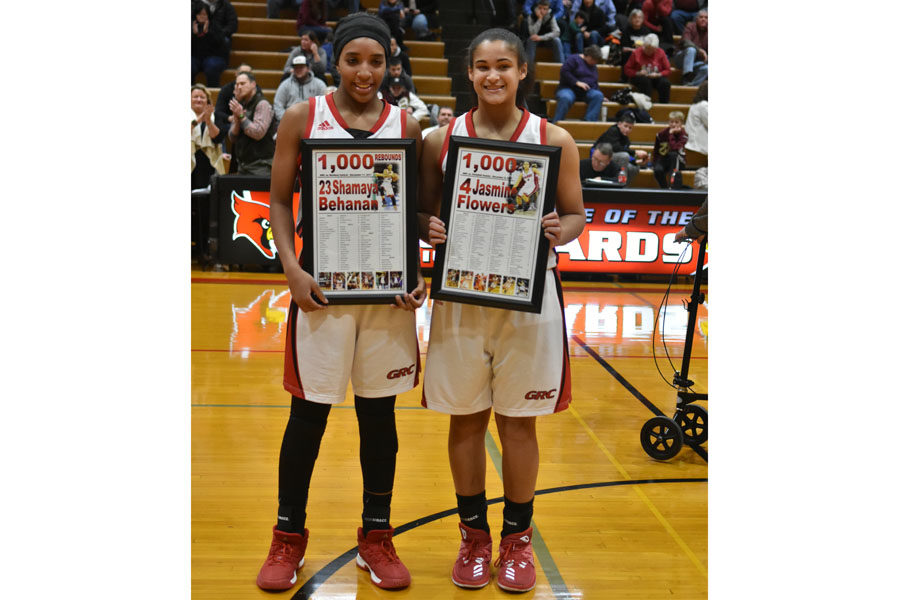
(446, 141)
(521, 127)
(523, 121)
(385, 111)
(329, 99)
(543, 132)
(403, 125)
(564, 398)
(310, 117)
(470, 123)
(418, 365)
(291, 380)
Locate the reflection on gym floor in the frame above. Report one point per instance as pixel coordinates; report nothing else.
(612, 521)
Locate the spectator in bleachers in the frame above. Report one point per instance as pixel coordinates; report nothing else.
(657, 17)
(209, 50)
(445, 114)
(298, 87)
(393, 12)
(252, 131)
(557, 8)
(633, 33)
(311, 15)
(617, 137)
(668, 152)
(684, 11)
(571, 34)
(399, 52)
(405, 99)
(600, 20)
(206, 139)
(273, 7)
(395, 69)
(697, 124)
(648, 69)
(578, 81)
(315, 56)
(352, 6)
(226, 93)
(693, 57)
(223, 14)
(422, 17)
(600, 164)
(539, 28)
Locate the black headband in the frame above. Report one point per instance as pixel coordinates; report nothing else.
(362, 25)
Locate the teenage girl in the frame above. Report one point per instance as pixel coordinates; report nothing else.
(328, 345)
(506, 356)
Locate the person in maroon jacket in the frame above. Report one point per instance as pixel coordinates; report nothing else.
(668, 152)
(657, 16)
(648, 69)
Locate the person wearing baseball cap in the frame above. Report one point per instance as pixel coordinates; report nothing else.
(298, 87)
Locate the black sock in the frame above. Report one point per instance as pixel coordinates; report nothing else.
(473, 511)
(299, 450)
(376, 511)
(516, 516)
(378, 459)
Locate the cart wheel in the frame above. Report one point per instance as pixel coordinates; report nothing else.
(661, 438)
(694, 424)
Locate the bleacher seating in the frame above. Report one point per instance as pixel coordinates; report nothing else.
(265, 43)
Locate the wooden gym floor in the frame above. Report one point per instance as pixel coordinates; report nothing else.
(609, 521)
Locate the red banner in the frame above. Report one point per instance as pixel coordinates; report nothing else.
(629, 238)
(621, 238)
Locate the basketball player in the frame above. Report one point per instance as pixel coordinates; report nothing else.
(387, 178)
(328, 345)
(515, 363)
(526, 186)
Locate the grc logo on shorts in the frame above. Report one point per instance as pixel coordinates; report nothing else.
(398, 373)
(540, 395)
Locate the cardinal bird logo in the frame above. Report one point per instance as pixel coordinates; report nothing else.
(251, 220)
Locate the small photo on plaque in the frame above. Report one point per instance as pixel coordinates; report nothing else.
(325, 281)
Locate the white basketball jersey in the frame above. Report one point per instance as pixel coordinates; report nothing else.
(532, 129)
(326, 122)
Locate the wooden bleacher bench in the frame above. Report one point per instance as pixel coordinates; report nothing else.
(259, 42)
(250, 10)
(658, 112)
(589, 131)
(268, 26)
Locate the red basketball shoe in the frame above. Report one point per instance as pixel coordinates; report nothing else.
(473, 565)
(376, 555)
(279, 571)
(516, 562)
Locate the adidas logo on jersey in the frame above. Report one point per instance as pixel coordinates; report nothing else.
(539, 395)
(324, 126)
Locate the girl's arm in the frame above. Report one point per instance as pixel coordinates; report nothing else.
(305, 290)
(566, 222)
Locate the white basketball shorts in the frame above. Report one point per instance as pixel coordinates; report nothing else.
(374, 346)
(514, 362)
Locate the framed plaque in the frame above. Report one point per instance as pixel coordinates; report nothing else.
(358, 200)
(494, 196)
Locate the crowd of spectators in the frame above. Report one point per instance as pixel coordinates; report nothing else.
(637, 35)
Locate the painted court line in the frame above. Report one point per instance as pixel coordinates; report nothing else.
(663, 521)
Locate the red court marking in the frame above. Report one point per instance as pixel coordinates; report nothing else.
(234, 351)
(252, 281)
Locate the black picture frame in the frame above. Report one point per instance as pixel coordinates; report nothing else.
(450, 280)
(322, 221)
